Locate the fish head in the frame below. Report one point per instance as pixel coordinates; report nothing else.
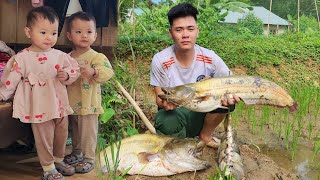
(178, 95)
(181, 155)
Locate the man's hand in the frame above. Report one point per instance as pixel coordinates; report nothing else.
(168, 106)
(162, 103)
(87, 71)
(230, 100)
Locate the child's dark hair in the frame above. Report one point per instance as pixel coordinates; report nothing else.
(44, 12)
(79, 15)
(182, 10)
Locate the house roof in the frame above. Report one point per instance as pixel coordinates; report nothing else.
(260, 12)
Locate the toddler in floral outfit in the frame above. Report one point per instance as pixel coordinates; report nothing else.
(37, 76)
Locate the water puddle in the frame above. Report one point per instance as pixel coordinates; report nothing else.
(302, 164)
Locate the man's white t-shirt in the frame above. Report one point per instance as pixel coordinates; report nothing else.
(166, 72)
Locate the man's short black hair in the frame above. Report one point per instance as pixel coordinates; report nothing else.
(182, 10)
(80, 15)
(44, 12)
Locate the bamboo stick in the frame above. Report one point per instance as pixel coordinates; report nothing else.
(137, 108)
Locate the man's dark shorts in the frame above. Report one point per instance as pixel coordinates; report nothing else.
(182, 122)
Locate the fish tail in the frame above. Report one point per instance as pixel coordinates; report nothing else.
(294, 107)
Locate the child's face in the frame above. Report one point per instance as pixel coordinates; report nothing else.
(82, 33)
(43, 34)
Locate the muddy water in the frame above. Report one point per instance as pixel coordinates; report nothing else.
(302, 163)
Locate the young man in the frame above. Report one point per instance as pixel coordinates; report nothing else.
(182, 63)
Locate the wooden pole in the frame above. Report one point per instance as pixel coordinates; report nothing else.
(270, 9)
(134, 116)
(298, 15)
(315, 4)
(134, 22)
(137, 108)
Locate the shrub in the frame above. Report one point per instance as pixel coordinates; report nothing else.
(252, 23)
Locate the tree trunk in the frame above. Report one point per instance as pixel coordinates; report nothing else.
(315, 4)
(298, 15)
(270, 9)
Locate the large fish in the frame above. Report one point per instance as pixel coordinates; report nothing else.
(155, 155)
(205, 96)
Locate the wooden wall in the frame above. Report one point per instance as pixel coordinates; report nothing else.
(13, 21)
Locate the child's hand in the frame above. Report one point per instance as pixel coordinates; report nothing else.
(62, 75)
(86, 71)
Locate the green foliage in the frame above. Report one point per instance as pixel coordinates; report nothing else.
(152, 21)
(116, 122)
(289, 7)
(251, 23)
(308, 24)
(248, 51)
(220, 175)
(112, 170)
(210, 25)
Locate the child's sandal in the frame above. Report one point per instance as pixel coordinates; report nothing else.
(65, 169)
(84, 167)
(73, 158)
(52, 175)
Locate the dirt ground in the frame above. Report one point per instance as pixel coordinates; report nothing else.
(256, 165)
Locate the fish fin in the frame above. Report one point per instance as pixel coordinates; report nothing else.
(222, 107)
(145, 157)
(249, 101)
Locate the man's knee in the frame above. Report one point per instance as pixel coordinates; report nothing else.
(169, 124)
(215, 116)
(223, 111)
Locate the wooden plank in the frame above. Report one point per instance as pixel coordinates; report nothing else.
(24, 6)
(8, 22)
(13, 23)
(109, 36)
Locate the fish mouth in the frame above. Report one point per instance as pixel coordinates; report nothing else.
(197, 152)
(167, 91)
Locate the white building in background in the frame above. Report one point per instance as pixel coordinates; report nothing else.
(277, 24)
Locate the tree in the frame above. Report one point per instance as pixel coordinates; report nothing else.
(251, 23)
(289, 7)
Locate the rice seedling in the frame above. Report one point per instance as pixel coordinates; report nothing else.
(274, 118)
(112, 170)
(254, 120)
(317, 103)
(310, 128)
(265, 117)
(249, 115)
(279, 125)
(220, 175)
(316, 147)
(294, 142)
(238, 113)
(287, 131)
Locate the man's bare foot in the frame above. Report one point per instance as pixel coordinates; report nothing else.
(211, 141)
